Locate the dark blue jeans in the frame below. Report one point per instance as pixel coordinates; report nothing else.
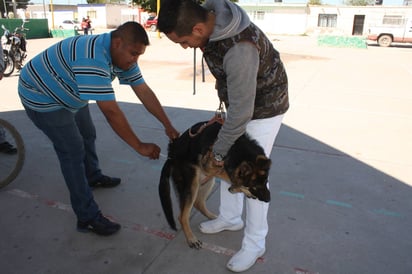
(73, 136)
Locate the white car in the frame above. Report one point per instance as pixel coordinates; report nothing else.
(70, 24)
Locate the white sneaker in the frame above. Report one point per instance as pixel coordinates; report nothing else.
(243, 260)
(217, 225)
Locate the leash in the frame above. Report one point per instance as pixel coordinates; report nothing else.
(219, 117)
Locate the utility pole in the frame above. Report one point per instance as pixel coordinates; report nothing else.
(5, 9)
(14, 9)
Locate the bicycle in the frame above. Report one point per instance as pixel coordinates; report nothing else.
(11, 164)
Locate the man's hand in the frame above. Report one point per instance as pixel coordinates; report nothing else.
(172, 133)
(149, 150)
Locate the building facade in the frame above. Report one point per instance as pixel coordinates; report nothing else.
(315, 20)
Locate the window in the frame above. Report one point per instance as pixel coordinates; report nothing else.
(92, 14)
(327, 20)
(258, 15)
(392, 20)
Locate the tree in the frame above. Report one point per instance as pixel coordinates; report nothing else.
(151, 5)
(360, 2)
(98, 1)
(21, 4)
(315, 2)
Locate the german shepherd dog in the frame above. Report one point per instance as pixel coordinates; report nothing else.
(190, 166)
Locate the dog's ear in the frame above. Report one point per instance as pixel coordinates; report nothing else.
(262, 162)
(244, 170)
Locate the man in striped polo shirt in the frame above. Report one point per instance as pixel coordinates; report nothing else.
(55, 88)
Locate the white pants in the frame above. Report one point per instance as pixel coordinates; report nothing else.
(264, 131)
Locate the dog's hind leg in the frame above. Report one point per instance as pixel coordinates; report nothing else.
(206, 186)
(186, 205)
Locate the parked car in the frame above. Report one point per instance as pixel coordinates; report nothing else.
(151, 23)
(386, 34)
(70, 24)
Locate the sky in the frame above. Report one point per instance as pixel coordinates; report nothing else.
(330, 2)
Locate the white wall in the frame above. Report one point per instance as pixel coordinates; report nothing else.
(58, 17)
(294, 24)
(346, 14)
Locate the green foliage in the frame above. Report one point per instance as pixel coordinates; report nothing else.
(359, 2)
(101, 1)
(151, 5)
(315, 2)
(148, 5)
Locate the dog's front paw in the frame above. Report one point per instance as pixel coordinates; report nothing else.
(233, 189)
(245, 190)
(195, 243)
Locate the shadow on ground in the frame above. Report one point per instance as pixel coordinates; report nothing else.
(330, 213)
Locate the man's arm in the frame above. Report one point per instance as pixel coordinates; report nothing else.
(241, 66)
(117, 120)
(152, 104)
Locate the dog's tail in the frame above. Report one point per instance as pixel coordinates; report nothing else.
(164, 193)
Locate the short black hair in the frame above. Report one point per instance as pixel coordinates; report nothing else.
(131, 32)
(180, 16)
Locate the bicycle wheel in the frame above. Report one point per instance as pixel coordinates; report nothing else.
(10, 163)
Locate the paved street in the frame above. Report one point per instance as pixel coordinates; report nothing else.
(340, 180)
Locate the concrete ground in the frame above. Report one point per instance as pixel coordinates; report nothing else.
(340, 180)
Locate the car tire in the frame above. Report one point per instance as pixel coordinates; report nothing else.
(153, 28)
(385, 40)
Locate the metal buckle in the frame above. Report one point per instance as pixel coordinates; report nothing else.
(220, 112)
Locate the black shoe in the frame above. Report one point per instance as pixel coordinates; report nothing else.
(101, 226)
(7, 148)
(105, 181)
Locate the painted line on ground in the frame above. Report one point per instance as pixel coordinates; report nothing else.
(170, 236)
(386, 212)
(337, 203)
(126, 224)
(292, 194)
(303, 271)
(381, 211)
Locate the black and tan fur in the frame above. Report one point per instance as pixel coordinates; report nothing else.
(246, 167)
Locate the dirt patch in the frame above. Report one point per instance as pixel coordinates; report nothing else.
(184, 69)
(287, 58)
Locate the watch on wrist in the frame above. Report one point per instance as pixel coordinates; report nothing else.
(218, 157)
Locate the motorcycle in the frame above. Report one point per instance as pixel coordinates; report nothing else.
(14, 48)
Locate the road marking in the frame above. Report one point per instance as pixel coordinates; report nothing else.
(170, 236)
(336, 203)
(303, 271)
(292, 194)
(126, 224)
(387, 212)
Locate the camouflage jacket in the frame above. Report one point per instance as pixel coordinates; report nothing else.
(272, 84)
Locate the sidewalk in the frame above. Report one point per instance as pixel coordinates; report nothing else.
(340, 179)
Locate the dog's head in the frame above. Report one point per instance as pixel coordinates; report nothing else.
(251, 178)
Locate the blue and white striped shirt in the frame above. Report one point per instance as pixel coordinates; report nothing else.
(71, 72)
